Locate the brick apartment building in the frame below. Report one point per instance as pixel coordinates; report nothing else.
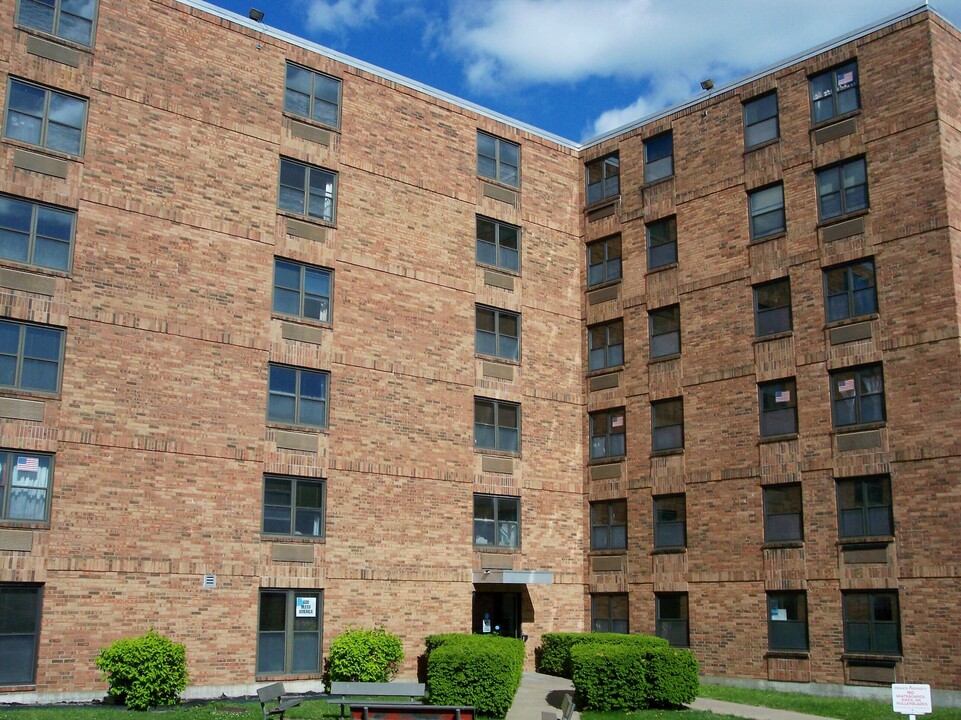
(291, 344)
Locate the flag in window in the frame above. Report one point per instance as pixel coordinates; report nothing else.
(28, 464)
(782, 396)
(846, 386)
(845, 80)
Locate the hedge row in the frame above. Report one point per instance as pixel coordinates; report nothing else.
(479, 670)
(554, 657)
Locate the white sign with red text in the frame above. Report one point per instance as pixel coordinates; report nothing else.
(911, 699)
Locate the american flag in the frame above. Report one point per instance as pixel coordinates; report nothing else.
(28, 464)
(845, 80)
(617, 421)
(782, 396)
(846, 386)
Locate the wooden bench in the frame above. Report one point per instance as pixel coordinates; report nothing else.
(364, 710)
(274, 695)
(347, 693)
(567, 710)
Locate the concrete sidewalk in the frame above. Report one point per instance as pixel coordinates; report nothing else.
(539, 693)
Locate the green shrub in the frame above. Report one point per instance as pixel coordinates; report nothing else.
(554, 657)
(483, 671)
(633, 677)
(360, 655)
(146, 671)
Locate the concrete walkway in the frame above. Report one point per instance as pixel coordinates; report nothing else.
(539, 693)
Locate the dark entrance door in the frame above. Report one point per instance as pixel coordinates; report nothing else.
(500, 610)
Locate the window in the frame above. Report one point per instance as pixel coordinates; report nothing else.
(607, 434)
(71, 20)
(872, 622)
(312, 95)
(787, 621)
(778, 407)
(605, 345)
(604, 261)
(672, 619)
(19, 631)
(659, 157)
(857, 396)
(850, 290)
(609, 525)
(497, 425)
(36, 234)
(289, 636)
(667, 425)
(45, 118)
(498, 159)
(767, 211)
(665, 331)
(497, 520)
(293, 506)
(835, 92)
(783, 521)
(662, 243)
(30, 356)
(760, 120)
(603, 178)
(497, 333)
(301, 290)
(609, 613)
(297, 396)
(307, 190)
(670, 522)
(842, 189)
(25, 486)
(772, 307)
(498, 244)
(864, 507)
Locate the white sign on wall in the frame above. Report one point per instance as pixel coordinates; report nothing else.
(911, 699)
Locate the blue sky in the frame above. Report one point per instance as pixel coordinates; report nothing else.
(575, 68)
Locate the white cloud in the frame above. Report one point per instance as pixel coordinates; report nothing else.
(339, 15)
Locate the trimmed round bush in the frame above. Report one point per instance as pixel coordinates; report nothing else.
(364, 655)
(554, 657)
(483, 671)
(145, 671)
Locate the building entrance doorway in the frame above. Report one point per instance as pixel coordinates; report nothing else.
(497, 613)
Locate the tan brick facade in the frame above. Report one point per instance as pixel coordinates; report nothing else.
(159, 430)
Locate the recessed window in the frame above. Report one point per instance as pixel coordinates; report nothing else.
(293, 506)
(609, 525)
(659, 157)
(297, 396)
(71, 20)
(301, 290)
(667, 425)
(661, 242)
(289, 631)
(603, 178)
(760, 120)
(872, 623)
(783, 520)
(767, 211)
(778, 407)
(857, 396)
(850, 290)
(835, 92)
(497, 425)
(609, 612)
(498, 159)
(498, 244)
(607, 434)
(25, 481)
(605, 345)
(842, 189)
(45, 118)
(312, 95)
(497, 333)
(787, 621)
(604, 261)
(35, 234)
(670, 521)
(772, 307)
(672, 618)
(864, 507)
(307, 190)
(30, 356)
(497, 521)
(665, 331)
(19, 632)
